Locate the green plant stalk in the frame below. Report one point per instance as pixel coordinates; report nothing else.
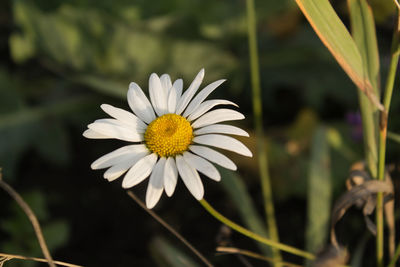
(370, 134)
(244, 231)
(382, 143)
(395, 257)
(258, 120)
(364, 35)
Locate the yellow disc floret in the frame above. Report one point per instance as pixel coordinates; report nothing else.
(168, 135)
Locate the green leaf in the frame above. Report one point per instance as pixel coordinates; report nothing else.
(338, 40)
(56, 233)
(165, 254)
(24, 127)
(103, 85)
(21, 48)
(236, 189)
(319, 192)
(105, 51)
(52, 142)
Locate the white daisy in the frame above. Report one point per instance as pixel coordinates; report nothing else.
(171, 134)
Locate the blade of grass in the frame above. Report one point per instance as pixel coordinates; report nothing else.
(102, 85)
(339, 42)
(393, 136)
(396, 255)
(359, 251)
(258, 121)
(236, 189)
(364, 35)
(319, 193)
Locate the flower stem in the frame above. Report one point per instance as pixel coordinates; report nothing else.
(382, 142)
(258, 120)
(244, 231)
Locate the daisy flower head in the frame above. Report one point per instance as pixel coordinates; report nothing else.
(172, 134)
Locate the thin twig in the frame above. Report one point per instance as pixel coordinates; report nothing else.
(169, 228)
(254, 255)
(20, 257)
(32, 217)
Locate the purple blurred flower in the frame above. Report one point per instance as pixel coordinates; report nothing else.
(355, 122)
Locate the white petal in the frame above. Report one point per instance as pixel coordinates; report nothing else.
(172, 100)
(114, 128)
(118, 155)
(112, 122)
(174, 95)
(166, 82)
(155, 186)
(202, 166)
(158, 95)
(224, 142)
(221, 128)
(187, 96)
(178, 85)
(216, 116)
(213, 156)
(140, 171)
(124, 116)
(207, 105)
(94, 135)
(195, 103)
(139, 103)
(190, 178)
(120, 168)
(170, 176)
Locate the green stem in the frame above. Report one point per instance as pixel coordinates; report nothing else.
(370, 132)
(382, 144)
(395, 257)
(258, 120)
(244, 231)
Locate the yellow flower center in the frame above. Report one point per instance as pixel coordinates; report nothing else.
(168, 135)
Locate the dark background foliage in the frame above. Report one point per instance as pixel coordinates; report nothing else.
(61, 59)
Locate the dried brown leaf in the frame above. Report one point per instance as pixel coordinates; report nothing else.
(362, 193)
(331, 256)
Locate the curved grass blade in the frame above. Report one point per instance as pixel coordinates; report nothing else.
(339, 42)
(319, 193)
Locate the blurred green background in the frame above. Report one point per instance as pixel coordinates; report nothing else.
(61, 59)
